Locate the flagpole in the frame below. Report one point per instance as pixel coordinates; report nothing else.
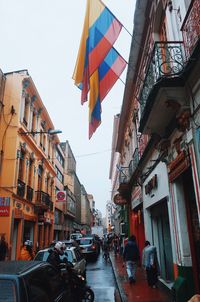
(116, 18)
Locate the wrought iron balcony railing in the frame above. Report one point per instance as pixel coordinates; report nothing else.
(167, 60)
(43, 199)
(29, 193)
(191, 27)
(21, 188)
(124, 175)
(134, 162)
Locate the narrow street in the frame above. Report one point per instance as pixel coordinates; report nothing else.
(102, 280)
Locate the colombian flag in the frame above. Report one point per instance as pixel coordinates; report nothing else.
(100, 31)
(101, 82)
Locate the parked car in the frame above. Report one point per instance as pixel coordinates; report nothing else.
(72, 254)
(89, 246)
(68, 243)
(31, 281)
(76, 236)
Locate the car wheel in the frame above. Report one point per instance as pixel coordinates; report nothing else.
(88, 295)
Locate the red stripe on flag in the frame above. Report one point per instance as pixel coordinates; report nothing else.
(93, 126)
(107, 83)
(111, 77)
(97, 55)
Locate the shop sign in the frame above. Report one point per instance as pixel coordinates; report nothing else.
(4, 206)
(61, 196)
(151, 185)
(119, 200)
(178, 165)
(135, 203)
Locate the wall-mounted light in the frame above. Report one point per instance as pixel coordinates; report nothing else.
(50, 132)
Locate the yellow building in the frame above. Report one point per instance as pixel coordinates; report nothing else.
(27, 171)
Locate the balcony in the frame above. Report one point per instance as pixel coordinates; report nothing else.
(124, 175)
(191, 28)
(29, 193)
(43, 201)
(134, 162)
(21, 188)
(162, 93)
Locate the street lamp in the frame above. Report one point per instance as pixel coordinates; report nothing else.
(50, 132)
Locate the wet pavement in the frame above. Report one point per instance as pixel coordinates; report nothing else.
(102, 280)
(139, 291)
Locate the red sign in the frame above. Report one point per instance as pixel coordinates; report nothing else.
(61, 196)
(4, 211)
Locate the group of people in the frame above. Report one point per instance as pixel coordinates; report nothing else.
(150, 263)
(131, 257)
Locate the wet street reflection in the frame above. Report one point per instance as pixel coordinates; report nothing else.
(101, 279)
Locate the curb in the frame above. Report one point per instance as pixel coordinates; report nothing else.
(122, 293)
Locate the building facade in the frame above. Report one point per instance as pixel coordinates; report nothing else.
(158, 137)
(27, 165)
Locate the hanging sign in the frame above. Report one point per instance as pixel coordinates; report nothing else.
(119, 200)
(61, 196)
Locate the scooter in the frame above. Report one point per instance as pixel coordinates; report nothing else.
(79, 290)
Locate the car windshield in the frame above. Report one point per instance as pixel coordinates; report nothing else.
(85, 241)
(7, 290)
(43, 255)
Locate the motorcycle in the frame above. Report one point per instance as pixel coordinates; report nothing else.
(79, 289)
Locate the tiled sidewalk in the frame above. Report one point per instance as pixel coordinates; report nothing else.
(139, 291)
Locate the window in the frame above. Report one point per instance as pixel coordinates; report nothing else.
(21, 165)
(26, 112)
(30, 172)
(34, 120)
(68, 255)
(59, 175)
(59, 157)
(41, 138)
(85, 241)
(8, 291)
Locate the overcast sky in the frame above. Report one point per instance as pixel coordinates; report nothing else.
(43, 36)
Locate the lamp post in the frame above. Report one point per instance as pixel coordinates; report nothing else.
(50, 132)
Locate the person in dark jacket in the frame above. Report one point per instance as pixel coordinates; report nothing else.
(3, 248)
(131, 256)
(150, 263)
(54, 255)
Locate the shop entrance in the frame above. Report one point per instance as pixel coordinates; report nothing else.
(14, 242)
(162, 239)
(28, 231)
(193, 224)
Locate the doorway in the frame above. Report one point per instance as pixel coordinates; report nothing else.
(162, 240)
(14, 242)
(193, 224)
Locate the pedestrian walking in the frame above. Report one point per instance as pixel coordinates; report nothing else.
(3, 248)
(116, 244)
(150, 263)
(27, 252)
(131, 257)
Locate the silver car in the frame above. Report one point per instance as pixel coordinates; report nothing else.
(72, 254)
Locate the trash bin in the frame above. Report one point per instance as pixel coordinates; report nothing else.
(179, 290)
